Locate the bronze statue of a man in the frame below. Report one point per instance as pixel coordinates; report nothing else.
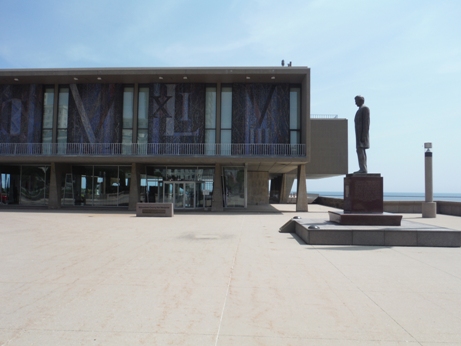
(362, 135)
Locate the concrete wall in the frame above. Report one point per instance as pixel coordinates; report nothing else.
(337, 203)
(328, 148)
(449, 208)
(258, 188)
(405, 207)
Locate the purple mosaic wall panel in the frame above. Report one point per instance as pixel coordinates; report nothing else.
(261, 113)
(21, 112)
(95, 113)
(176, 113)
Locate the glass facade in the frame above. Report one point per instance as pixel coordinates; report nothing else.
(185, 187)
(10, 184)
(47, 127)
(97, 186)
(226, 119)
(234, 186)
(143, 118)
(127, 132)
(25, 185)
(210, 120)
(63, 112)
(295, 115)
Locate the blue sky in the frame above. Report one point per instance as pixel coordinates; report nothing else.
(403, 56)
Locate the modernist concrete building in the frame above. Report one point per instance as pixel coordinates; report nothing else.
(201, 138)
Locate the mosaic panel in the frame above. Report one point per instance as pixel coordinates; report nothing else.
(95, 113)
(176, 113)
(21, 112)
(261, 113)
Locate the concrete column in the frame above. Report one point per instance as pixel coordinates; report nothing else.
(217, 201)
(429, 207)
(287, 184)
(54, 198)
(134, 186)
(301, 199)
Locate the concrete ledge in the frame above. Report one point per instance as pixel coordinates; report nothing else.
(365, 219)
(154, 209)
(449, 208)
(409, 233)
(405, 207)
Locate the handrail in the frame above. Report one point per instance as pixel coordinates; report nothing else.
(151, 149)
(324, 116)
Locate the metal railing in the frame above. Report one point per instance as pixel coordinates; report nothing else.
(324, 116)
(151, 149)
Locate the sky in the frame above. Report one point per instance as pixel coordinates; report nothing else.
(403, 56)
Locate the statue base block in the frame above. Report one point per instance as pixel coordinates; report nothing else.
(383, 219)
(363, 193)
(363, 202)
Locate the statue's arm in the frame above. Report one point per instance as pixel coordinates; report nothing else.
(365, 121)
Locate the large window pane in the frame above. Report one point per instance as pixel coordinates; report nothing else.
(63, 112)
(234, 187)
(63, 108)
(143, 107)
(226, 136)
(10, 184)
(210, 144)
(295, 108)
(47, 126)
(35, 183)
(226, 140)
(128, 107)
(294, 137)
(210, 108)
(48, 104)
(47, 136)
(124, 185)
(127, 135)
(226, 107)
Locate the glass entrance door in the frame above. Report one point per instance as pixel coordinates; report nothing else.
(178, 195)
(181, 194)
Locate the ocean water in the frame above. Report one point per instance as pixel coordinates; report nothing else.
(399, 196)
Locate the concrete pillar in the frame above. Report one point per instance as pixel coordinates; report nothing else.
(301, 199)
(287, 184)
(429, 207)
(54, 198)
(134, 186)
(217, 201)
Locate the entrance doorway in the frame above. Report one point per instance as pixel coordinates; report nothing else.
(180, 193)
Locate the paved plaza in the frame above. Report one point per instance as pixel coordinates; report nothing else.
(109, 278)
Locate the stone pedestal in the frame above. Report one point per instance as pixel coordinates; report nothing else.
(363, 202)
(363, 193)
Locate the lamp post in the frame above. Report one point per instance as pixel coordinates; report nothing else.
(429, 207)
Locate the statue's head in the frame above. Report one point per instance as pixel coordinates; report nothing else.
(359, 100)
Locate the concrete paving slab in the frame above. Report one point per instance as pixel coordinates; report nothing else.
(105, 278)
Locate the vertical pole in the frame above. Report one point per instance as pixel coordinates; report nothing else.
(429, 207)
